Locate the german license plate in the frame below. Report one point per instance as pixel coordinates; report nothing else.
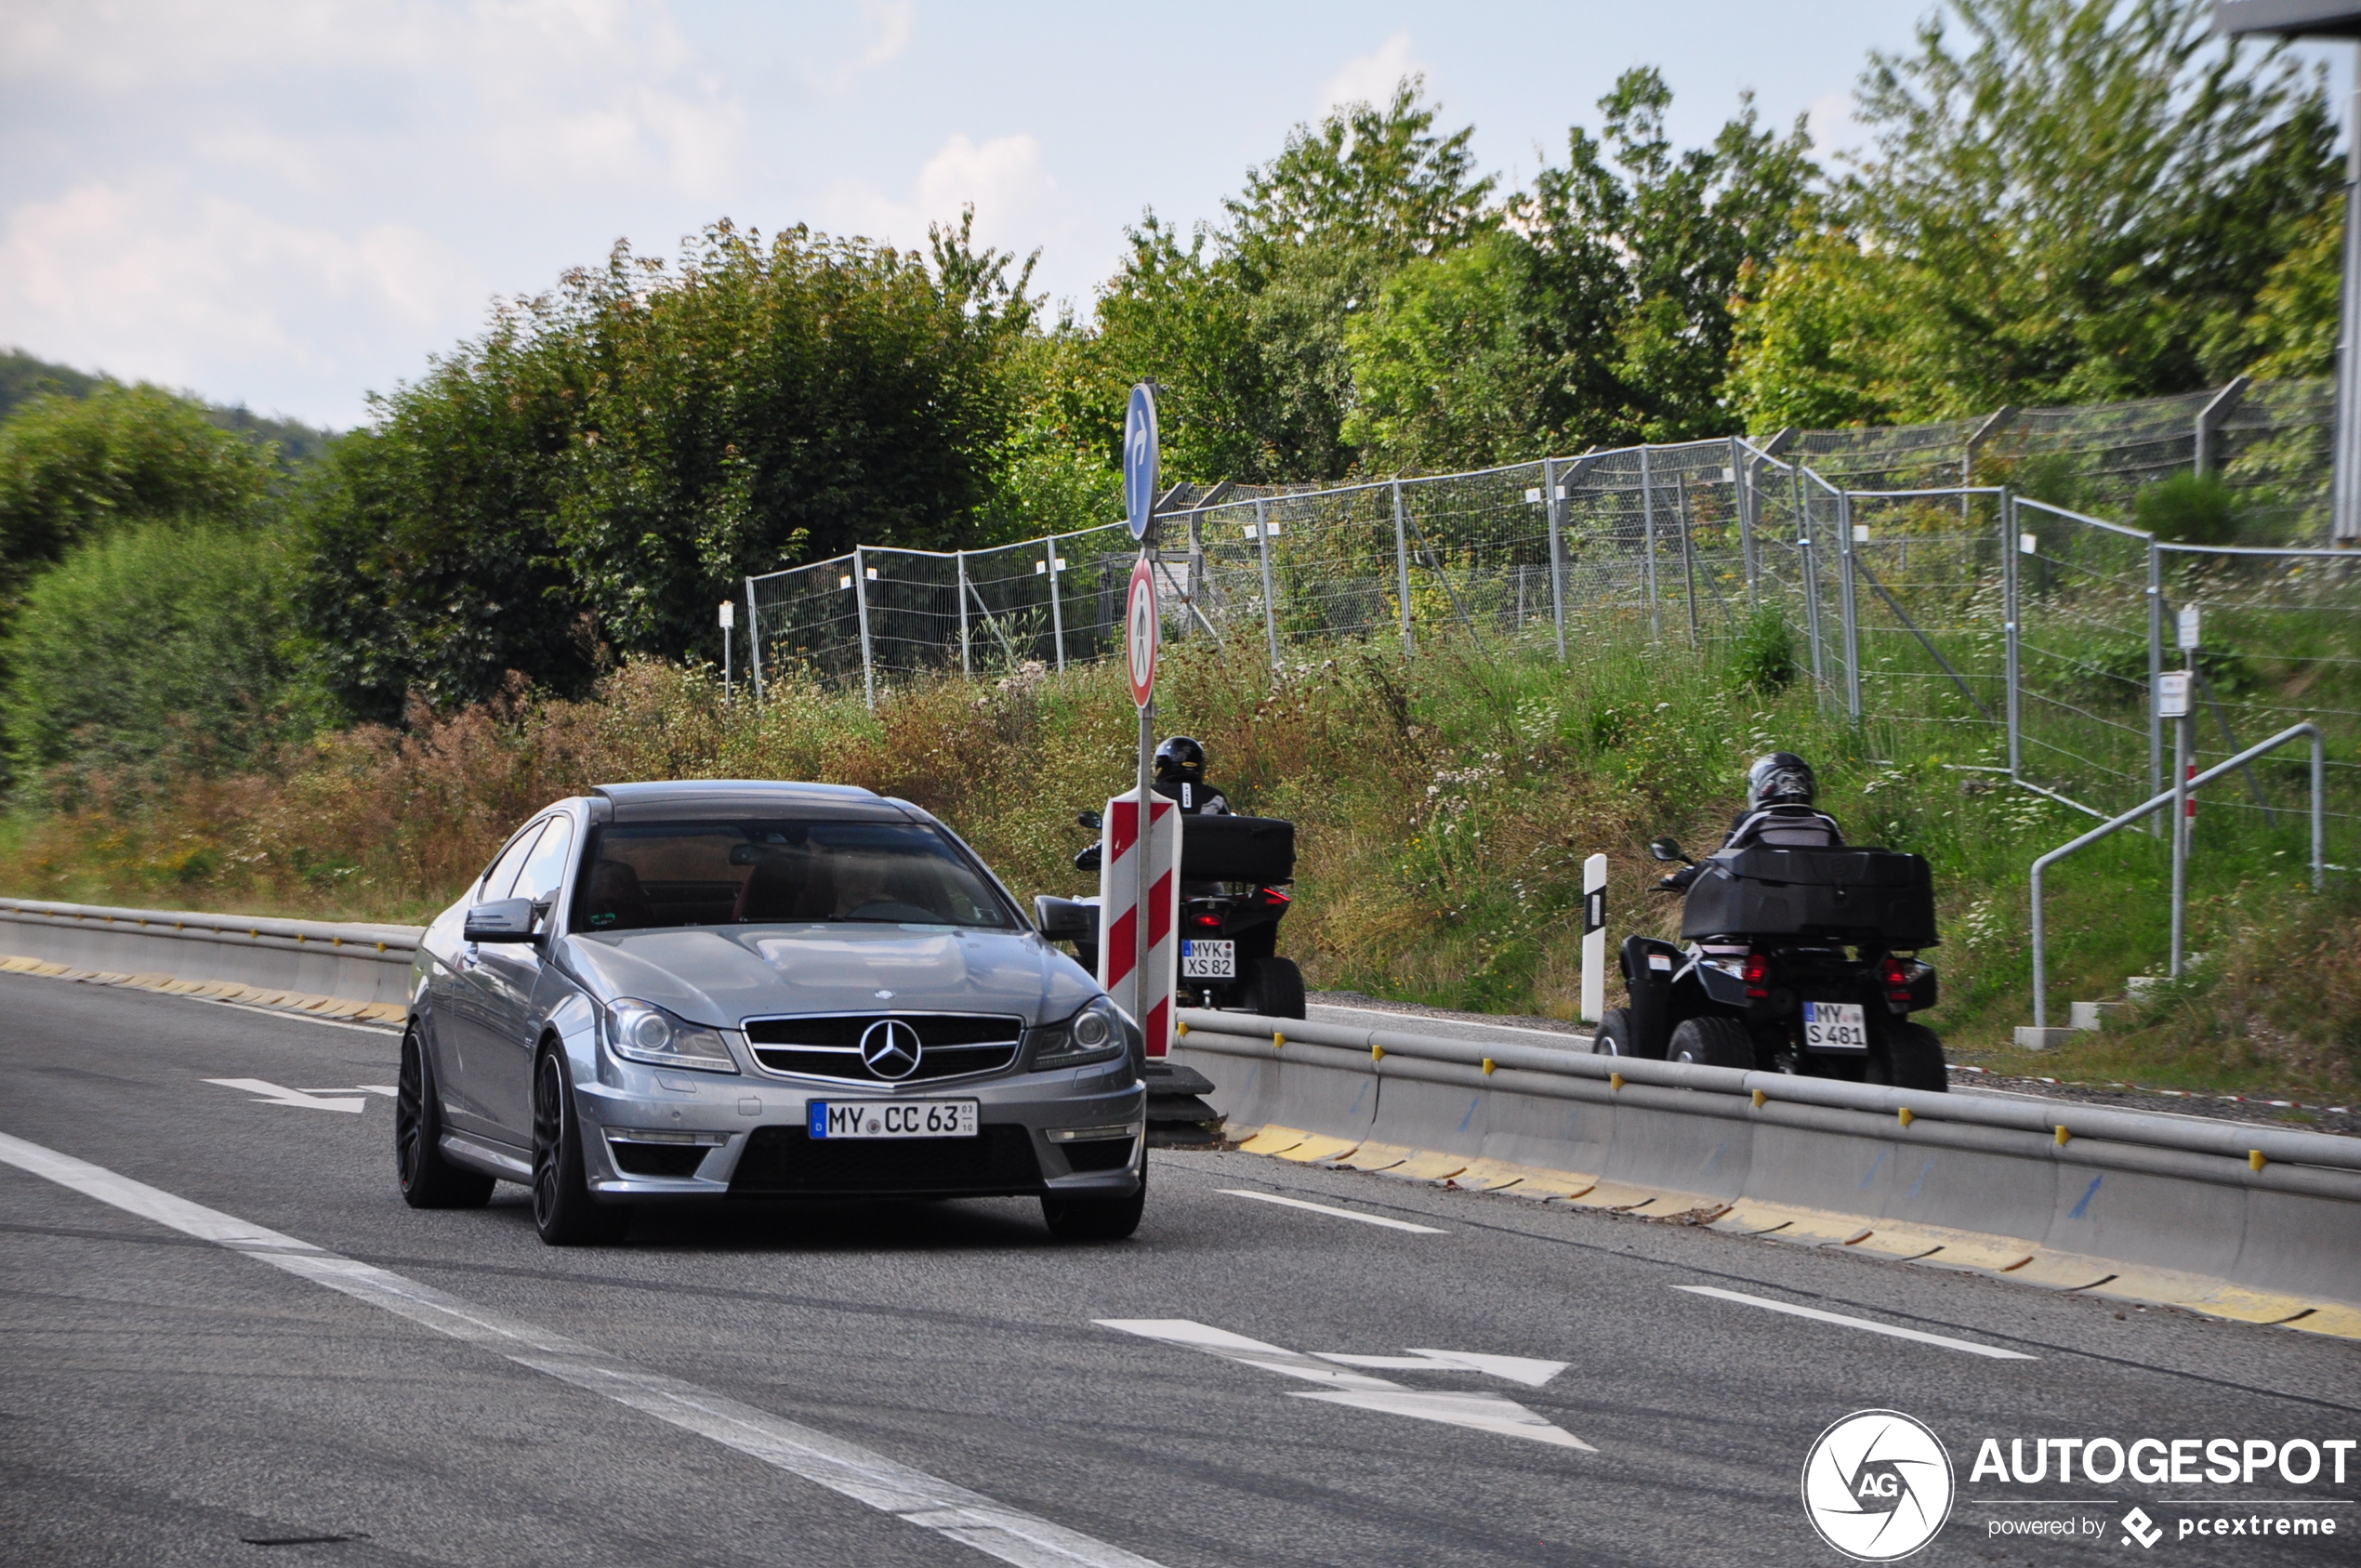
(1208, 960)
(893, 1118)
(1835, 1026)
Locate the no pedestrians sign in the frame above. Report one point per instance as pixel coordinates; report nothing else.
(1141, 632)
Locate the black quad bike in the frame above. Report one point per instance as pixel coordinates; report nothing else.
(1799, 960)
(1234, 872)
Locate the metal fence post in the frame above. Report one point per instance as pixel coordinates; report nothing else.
(1741, 475)
(1196, 566)
(1057, 609)
(1402, 569)
(754, 640)
(2156, 665)
(1554, 507)
(967, 664)
(1846, 607)
(1811, 563)
(1648, 535)
(1269, 605)
(861, 607)
(2009, 629)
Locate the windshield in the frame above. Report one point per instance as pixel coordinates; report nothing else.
(644, 875)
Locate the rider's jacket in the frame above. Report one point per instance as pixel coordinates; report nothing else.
(1782, 827)
(1197, 800)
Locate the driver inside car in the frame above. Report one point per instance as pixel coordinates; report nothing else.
(1780, 790)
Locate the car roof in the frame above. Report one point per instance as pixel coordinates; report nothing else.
(688, 799)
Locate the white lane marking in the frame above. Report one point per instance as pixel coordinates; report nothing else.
(1995, 1352)
(269, 1093)
(866, 1477)
(1559, 1034)
(1485, 1412)
(1530, 1371)
(1339, 1213)
(386, 1089)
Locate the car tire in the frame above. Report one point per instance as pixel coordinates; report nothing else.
(1096, 1219)
(1913, 1060)
(1613, 1037)
(1273, 988)
(1712, 1042)
(563, 1210)
(425, 1178)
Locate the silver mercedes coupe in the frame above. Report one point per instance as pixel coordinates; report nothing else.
(668, 992)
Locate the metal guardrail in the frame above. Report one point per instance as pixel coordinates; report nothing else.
(360, 962)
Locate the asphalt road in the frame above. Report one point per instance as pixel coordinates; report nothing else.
(924, 1384)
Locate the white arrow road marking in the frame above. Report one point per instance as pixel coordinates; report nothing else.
(844, 1468)
(1485, 1412)
(1339, 1213)
(1516, 1369)
(1995, 1352)
(386, 1089)
(272, 1094)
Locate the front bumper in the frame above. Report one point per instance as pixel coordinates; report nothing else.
(704, 1125)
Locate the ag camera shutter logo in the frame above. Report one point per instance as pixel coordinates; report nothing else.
(1877, 1485)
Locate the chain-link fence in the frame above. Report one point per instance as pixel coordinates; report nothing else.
(1912, 572)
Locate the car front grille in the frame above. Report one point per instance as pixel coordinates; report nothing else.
(997, 1161)
(951, 1045)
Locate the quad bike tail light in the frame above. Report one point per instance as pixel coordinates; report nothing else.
(1897, 976)
(1756, 974)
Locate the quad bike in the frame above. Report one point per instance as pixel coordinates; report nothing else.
(1803, 961)
(1233, 876)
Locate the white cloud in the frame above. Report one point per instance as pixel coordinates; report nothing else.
(157, 280)
(1019, 204)
(1833, 128)
(1371, 78)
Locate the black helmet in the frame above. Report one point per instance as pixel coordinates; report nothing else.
(1181, 760)
(1780, 779)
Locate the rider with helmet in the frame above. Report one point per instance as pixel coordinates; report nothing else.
(1780, 790)
(1178, 777)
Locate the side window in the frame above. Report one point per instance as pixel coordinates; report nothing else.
(503, 874)
(545, 869)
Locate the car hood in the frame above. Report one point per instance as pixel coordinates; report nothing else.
(717, 975)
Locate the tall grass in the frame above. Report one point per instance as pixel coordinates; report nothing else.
(1444, 803)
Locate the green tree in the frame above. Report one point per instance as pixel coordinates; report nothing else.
(2069, 201)
(610, 460)
(153, 647)
(73, 467)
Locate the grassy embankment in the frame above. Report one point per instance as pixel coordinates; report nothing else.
(1446, 805)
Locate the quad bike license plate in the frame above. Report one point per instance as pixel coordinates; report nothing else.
(1835, 1026)
(1217, 960)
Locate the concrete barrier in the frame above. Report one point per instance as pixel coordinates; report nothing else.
(366, 965)
(2257, 1222)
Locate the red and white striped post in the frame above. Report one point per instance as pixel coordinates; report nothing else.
(1120, 869)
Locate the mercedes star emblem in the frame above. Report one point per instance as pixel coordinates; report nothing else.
(889, 1048)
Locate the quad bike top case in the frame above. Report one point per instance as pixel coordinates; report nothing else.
(1865, 896)
(1231, 849)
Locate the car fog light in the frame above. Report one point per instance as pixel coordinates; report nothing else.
(1086, 1135)
(665, 1135)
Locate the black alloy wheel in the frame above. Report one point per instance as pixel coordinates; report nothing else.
(1712, 1042)
(1096, 1219)
(427, 1179)
(563, 1210)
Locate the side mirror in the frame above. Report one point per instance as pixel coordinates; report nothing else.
(1669, 849)
(1066, 919)
(502, 920)
(1090, 819)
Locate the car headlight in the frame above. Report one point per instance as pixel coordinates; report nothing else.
(1094, 1034)
(643, 1032)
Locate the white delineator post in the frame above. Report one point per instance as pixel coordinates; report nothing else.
(1594, 939)
(1119, 881)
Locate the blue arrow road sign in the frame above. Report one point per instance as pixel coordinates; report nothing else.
(1140, 460)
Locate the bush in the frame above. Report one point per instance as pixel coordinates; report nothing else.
(1763, 658)
(156, 647)
(2188, 509)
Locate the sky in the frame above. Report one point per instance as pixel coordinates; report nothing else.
(291, 206)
